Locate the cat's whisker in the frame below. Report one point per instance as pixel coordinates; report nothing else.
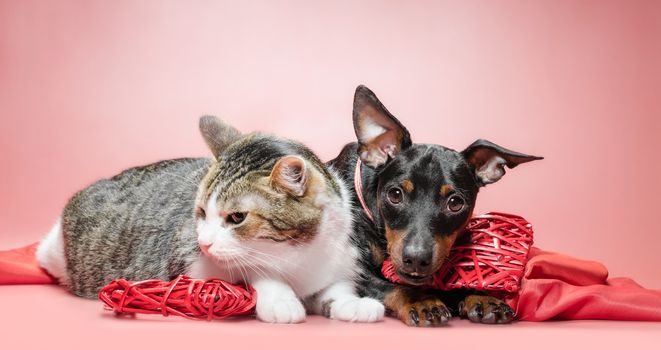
(252, 250)
(244, 273)
(293, 239)
(284, 274)
(262, 258)
(232, 264)
(231, 272)
(289, 276)
(237, 264)
(256, 268)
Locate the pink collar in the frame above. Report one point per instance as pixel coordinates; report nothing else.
(358, 186)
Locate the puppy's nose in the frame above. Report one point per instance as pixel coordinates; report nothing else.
(417, 260)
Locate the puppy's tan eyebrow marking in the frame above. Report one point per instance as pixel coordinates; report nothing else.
(407, 186)
(446, 190)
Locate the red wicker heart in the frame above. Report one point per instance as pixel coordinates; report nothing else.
(183, 296)
(494, 260)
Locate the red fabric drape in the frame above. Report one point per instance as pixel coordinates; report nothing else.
(557, 286)
(19, 266)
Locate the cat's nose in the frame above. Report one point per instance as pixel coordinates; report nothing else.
(205, 248)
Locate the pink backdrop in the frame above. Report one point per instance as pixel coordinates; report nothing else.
(88, 88)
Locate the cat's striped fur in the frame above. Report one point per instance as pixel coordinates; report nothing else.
(292, 242)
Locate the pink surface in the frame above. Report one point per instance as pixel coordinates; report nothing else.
(89, 88)
(56, 318)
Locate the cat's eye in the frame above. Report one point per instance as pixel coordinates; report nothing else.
(236, 218)
(395, 195)
(455, 204)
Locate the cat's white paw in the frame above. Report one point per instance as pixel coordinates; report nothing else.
(357, 310)
(286, 309)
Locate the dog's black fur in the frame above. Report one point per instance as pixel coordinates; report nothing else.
(421, 197)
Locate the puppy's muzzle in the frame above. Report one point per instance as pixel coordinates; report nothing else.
(417, 265)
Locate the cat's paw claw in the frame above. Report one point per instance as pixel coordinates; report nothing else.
(282, 310)
(357, 310)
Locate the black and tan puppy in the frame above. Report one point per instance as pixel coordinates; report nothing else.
(412, 202)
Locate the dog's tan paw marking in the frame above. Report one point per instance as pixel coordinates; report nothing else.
(485, 309)
(426, 313)
(417, 308)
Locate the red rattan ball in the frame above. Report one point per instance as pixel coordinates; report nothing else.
(183, 296)
(493, 260)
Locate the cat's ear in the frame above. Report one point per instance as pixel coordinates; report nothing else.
(488, 160)
(380, 135)
(217, 134)
(290, 174)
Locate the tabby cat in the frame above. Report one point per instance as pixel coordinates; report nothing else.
(264, 210)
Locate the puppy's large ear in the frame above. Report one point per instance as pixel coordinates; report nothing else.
(380, 135)
(488, 160)
(290, 174)
(217, 134)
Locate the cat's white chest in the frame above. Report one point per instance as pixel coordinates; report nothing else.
(306, 268)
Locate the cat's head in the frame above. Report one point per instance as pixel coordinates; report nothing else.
(261, 194)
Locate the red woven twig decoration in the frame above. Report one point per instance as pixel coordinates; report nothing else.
(183, 296)
(494, 260)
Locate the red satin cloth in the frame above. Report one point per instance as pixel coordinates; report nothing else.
(19, 266)
(557, 286)
(554, 286)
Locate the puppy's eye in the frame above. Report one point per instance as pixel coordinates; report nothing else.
(455, 204)
(395, 195)
(236, 218)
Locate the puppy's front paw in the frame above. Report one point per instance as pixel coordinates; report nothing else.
(430, 312)
(357, 310)
(417, 308)
(485, 309)
(286, 309)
